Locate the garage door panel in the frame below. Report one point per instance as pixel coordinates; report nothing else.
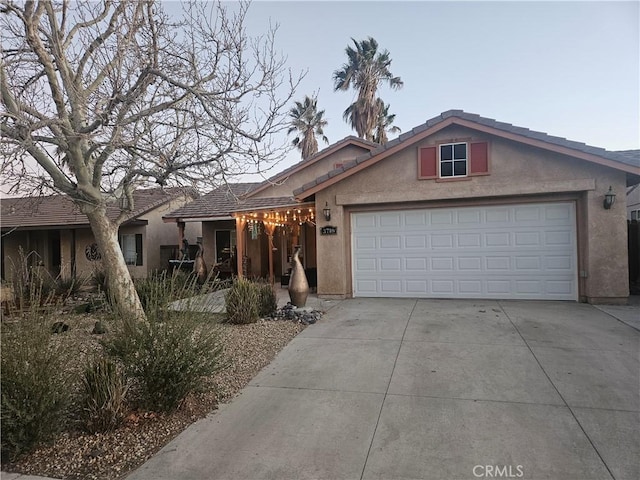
(365, 242)
(390, 241)
(413, 219)
(497, 239)
(415, 264)
(557, 238)
(444, 240)
(519, 251)
(470, 287)
(415, 241)
(391, 264)
(469, 264)
(441, 218)
(366, 265)
(466, 240)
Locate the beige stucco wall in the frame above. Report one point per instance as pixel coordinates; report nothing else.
(285, 187)
(158, 233)
(155, 234)
(11, 253)
(209, 238)
(517, 173)
(31, 247)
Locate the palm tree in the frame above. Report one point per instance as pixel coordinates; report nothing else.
(308, 122)
(365, 70)
(384, 123)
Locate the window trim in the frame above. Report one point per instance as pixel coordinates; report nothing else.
(478, 159)
(138, 241)
(453, 160)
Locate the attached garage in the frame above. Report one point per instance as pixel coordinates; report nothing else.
(521, 251)
(465, 206)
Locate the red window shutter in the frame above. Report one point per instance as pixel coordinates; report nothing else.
(479, 163)
(428, 163)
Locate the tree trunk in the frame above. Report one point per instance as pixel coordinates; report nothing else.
(120, 286)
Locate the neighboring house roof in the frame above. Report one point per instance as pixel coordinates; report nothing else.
(633, 155)
(283, 175)
(628, 163)
(60, 211)
(226, 199)
(218, 203)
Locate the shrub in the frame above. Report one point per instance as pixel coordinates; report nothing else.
(157, 291)
(67, 287)
(267, 300)
(171, 354)
(99, 278)
(242, 302)
(34, 383)
(169, 357)
(103, 395)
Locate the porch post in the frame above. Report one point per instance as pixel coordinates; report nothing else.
(269, 229)
(181, 226)
(240, 223)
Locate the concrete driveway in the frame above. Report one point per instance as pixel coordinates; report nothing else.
(407, 389)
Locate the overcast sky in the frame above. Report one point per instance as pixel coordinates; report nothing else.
(570, 69)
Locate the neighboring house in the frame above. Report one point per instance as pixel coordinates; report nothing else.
(633, 192)
(52, 233)
(459, 207)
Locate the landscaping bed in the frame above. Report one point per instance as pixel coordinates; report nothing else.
(79, 455)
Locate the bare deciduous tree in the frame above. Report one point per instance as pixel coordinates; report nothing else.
(101, 98)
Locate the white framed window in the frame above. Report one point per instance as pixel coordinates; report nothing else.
(635, 214)
(453, 160)
(131, 245)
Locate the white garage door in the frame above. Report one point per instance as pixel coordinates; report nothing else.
(525, 251)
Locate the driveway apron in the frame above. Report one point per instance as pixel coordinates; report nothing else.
(442, 389)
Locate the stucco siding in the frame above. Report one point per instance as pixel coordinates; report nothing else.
(285, 187)
(74, 242)
(157, 233)
(517, 173)
(11, 260)
(84, 266)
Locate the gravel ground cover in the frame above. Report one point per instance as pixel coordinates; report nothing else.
(78, 455)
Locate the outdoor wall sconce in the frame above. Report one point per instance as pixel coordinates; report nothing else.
(609, 199)
(326, 211)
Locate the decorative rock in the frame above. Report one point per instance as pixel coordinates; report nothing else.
(99, 328)
(306, 316)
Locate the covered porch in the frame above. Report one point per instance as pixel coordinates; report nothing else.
(267, 236)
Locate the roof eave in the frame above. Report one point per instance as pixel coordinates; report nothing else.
(633, 173)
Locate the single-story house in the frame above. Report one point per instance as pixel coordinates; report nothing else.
(461, 206)
(52, 233)
(273, 222)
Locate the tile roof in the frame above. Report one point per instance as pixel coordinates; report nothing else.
(220, 202)
(263, 203)
(634, 155)
(59, 210)
(624, 158)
